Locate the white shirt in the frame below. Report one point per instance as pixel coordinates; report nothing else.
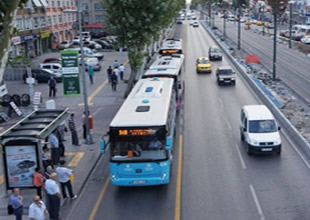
(63, 174)
(51, 187)
(121, 68)
(116, 71)
(37, 212)
(53, 139)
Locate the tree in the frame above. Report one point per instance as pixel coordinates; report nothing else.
(136, 22)
(8, 9)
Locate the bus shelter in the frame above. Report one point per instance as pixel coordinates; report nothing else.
(21, 145)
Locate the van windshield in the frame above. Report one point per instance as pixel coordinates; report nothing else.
(262, 126)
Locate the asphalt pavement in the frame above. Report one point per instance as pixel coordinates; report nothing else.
(103, 105)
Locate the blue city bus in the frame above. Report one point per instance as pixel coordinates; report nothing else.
(141, 135)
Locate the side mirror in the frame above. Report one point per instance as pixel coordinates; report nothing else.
(179, 85)
(102, 146)
(279, 128)
(244, 129)
(168, 143)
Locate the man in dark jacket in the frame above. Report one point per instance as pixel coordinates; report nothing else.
(52, 85)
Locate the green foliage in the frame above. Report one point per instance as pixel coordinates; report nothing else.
(6, 6)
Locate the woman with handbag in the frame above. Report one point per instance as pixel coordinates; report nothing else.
(38, 181)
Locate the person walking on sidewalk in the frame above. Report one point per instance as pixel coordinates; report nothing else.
(75, 139)
(61, 144)
(121, 71)
(64, 180)
(109, 73)
(83, 119)
(53, 196)
(115, 64)
(54, 147)
(16, 200)
(37, 209)
(45, 160)
(91, 74)
(38, 181)
(114, 81)
(52, 85)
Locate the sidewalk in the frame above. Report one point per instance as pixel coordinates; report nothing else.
(81, 159)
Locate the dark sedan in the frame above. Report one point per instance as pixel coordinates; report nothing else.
(42, 76)
(104, 44)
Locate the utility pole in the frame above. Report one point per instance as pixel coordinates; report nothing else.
(290, 24)
(239, 26)
(275, 11)
(263, 19)
(224, 24)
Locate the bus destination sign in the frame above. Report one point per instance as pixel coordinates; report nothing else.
(136, 132)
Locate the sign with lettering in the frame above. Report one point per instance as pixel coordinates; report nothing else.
(70, 72)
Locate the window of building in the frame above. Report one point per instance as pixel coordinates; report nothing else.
(28, 23)
(60, 19)
(99, 18)
(85, 6)
(58, 4)
(42, 21)
(53, 4)
(68, 4)
(98, 6)
(86, 18)
(54, 19)
(48, 3)
(71, 3)
(69, 17)
(65, 19)
(20, 24)
(49, 21)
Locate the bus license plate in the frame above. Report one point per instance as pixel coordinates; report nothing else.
(266, 149)
(139, 182)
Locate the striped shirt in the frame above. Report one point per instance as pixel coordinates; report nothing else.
(71, 124)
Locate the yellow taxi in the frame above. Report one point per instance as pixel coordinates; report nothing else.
(248, 22)
(259, 23)
(203, 65)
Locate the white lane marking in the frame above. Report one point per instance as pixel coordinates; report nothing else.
(228, 124)
(240, 157)
(258, 206)
(296, 150)
(221, 102)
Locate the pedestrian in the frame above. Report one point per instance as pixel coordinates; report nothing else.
(52, 85)
(16, 200)
(115, 64)
(64, 174)
(114, 81)
(121, 71)
(62, 130)
(83, 119)
(37, 209)
(48, 172)
(61, 144)
(109, 73)
(54, 147)
(91, 74)
(38, 181)
(45, 159)
(75, 139)
(53, 196)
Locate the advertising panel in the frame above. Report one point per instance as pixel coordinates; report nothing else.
(20, 163)
(70, 71)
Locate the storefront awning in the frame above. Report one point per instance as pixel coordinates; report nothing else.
(44, 3)
(93, 26)
(37, 3)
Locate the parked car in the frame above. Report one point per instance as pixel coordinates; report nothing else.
(92, 45)
(52, 60)
(305, 39)
(225, 75)
(42, 75)
(215, 53)
(259, 23)
(92, 62)
(88, 52)
(64, 45)
(86, 35)
(55, 67)
(104, 44)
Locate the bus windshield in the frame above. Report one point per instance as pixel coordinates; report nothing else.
(143, 150)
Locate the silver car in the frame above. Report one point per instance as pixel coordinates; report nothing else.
(92, 62)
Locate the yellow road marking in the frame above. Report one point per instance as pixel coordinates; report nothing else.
(1, 179)
(98, 89)
(77, 156)
(104, 189)
(177, 209)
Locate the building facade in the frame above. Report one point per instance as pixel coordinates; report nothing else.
(62, 25)
(93, 11)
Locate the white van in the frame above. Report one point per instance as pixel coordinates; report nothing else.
(88, 52)
(86, 35)
(259, 129)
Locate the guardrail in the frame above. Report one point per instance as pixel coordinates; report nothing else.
(291, 132)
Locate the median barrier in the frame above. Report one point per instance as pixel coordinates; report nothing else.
(291, 132)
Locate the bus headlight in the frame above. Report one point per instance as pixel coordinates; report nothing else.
(164, 176)
(113, 177)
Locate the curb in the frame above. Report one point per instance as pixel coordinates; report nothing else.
(291, 132)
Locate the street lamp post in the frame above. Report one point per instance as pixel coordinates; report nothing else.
(224, 35)
(89, 139)
(290, 24)
(263, 19)
(239, 26)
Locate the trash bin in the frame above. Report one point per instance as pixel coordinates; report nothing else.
(25, 99)
(16, 99)
(6, 100)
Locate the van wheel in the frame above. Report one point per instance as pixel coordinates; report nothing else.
(279, 152)
(248, 150)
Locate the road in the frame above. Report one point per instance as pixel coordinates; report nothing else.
(292, 66)
(219, 180)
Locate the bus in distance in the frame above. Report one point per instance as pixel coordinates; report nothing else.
(171, 46)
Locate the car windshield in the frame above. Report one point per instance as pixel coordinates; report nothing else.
(262, 126)
(139, 150)
(203, 61)
(225, 72)
(215, 50)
